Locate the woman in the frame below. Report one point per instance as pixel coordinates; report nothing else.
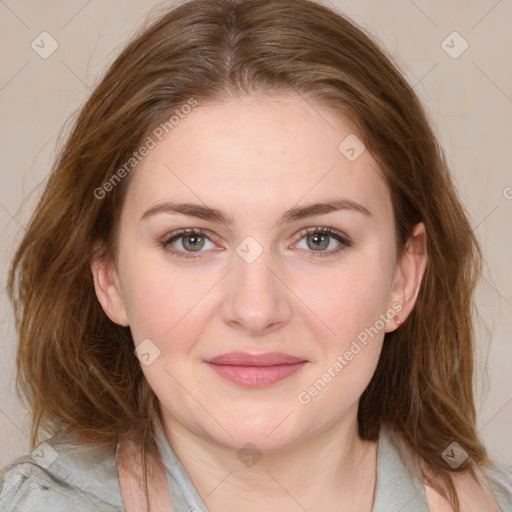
(248, 283)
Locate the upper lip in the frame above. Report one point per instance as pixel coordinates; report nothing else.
(246, 359)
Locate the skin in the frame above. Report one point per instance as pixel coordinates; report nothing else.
(253, 159)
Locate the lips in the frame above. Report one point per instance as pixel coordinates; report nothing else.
(246, 359)
(255, 370)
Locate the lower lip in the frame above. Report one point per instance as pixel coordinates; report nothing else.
(256, 376)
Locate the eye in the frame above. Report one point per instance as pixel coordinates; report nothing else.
(323, 241)
(185, 242)
(190, 242)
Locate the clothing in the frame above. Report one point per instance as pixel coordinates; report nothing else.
(63, 476)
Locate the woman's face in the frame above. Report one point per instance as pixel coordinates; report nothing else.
(254, 180)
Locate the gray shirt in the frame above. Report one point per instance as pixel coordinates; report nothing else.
(62, 475)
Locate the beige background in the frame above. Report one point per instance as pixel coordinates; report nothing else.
(469, 99)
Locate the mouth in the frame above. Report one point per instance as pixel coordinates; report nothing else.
(258, 370)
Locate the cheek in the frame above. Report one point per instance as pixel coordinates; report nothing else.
(164, 303)
(349, 350)
(170, 306)
(353, 305)
(351, 298)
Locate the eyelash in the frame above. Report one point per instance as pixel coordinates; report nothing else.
(344, 241)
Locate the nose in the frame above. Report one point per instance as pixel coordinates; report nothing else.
(256, 300)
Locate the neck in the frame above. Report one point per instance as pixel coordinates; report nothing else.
(332, 470)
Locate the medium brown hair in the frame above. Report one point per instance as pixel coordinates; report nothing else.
(77, 369)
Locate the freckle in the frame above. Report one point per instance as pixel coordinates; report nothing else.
(44, 488)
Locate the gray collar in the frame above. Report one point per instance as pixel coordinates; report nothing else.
(92, 469)
(397, 486)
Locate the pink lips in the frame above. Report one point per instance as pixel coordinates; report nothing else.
(256, 370)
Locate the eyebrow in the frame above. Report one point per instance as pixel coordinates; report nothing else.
(291, 215)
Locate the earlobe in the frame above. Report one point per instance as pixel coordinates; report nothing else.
(409, 273)
(106, 285)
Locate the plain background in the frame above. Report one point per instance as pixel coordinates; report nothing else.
(469, 100)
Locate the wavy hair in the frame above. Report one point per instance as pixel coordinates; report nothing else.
(76, 369)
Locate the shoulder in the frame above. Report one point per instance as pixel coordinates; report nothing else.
(26, 487)
(499, 478)
(60, 477)
(492, 492)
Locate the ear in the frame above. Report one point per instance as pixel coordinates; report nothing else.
(108, 291)
(409, 274)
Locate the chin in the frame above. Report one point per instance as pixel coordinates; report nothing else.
(270, 430)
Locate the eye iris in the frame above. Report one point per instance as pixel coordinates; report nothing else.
(320, 241)
(193, 242)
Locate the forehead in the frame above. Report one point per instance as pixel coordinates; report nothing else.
(250, 153)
